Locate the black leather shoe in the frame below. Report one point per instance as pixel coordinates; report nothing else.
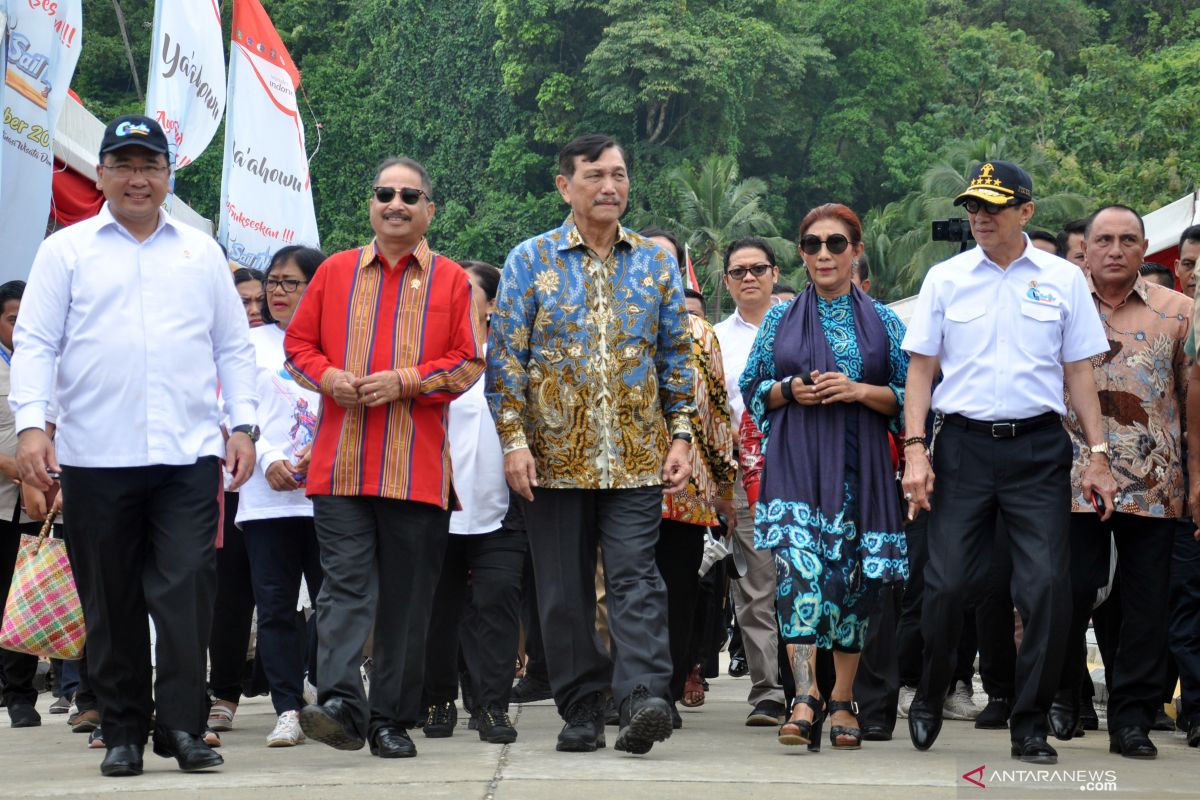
(876, 733)
(122, 761)
(23, 715)
(924, 722)
(329, 723)
(645, 719)
(188, 749)
(584, 728)
(1193, 738)
(1034, 750)
(994, 716)
(1162, 721)
(738, 667)
(767, 714)
(392, 743)
(530, 690)
(1131, 742)
(440, 719)
(1063, 717)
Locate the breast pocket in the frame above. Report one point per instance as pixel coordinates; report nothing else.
(967, 330)
(1040, 329)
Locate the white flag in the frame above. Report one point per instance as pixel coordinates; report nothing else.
(186, 92)
(43, 44)
(266, 194)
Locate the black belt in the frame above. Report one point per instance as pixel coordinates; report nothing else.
(1008, 429)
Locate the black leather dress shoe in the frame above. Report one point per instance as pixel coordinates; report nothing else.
(738, 666)
(188, 749)
(1131, 742)
(23, 715)
(329, 723)
(392, 743)
(122, 761)
(1193, 738)
(1162, 721)
(924, 722)
(994, 716)
(876, 733)
(1034, 750)
(1063, 717)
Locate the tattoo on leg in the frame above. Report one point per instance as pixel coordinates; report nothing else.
(802, 668)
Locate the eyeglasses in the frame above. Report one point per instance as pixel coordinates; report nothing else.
(129, 170)
(289, 285)
(811, 245)
(757, 270)
(408, 195)
(974, 206)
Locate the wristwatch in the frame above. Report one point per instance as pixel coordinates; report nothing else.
(1099, 448)
(785, 388)
(250, 430)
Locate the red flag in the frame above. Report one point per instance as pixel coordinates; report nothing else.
(691, 273)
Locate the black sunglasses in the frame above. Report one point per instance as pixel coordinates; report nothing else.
(811, 245)
(974, 206)
(408, 195)
(757, 270)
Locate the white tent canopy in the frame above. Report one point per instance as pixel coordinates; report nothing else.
(1164, 225)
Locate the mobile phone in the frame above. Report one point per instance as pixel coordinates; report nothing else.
(1098, 503)
(53, 474)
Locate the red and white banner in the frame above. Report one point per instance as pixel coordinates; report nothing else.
(266, 192)
(42, 43)
(186, 91)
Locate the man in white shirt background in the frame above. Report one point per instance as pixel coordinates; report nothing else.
(750, 272)
(143, 320)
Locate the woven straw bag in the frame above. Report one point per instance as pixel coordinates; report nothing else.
(43, 616)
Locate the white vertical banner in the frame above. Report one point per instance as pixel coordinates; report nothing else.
(266, 193)
(186, 90)
(43, 42)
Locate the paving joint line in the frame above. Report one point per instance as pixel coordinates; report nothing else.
(490, 792)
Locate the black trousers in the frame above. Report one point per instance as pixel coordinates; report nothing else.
(282, 551)
(381, 560)
(477, 605)
(1184, 627)
(877, 682)
(1027, 481)
(19, 668)
(143, 540)
(1144, 546)
(565, 526)
(678, 555)
(233, 611)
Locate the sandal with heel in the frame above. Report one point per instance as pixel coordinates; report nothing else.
(842, 731)
(803, 731)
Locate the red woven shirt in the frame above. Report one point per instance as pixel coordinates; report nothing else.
(363, 316)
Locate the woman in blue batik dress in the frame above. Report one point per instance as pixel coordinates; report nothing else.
(824, 382)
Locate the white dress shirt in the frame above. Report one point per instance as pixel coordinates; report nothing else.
(1003, 335)
(736, 337)
(287, 422)
(478, 464)
(141, 332)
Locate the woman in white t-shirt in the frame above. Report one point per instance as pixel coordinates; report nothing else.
(275, 516)
(480, 583)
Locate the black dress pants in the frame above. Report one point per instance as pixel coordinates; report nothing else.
(233, 611)
(565, 526)
(19, 668)
(678, 554)
(477, 605)
(877, 682)
(1184, 626)
(1144, 546)
(143, 540)
(381, 559)
(1027, 481)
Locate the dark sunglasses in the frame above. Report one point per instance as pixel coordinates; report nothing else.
(757, 270)
(408, 195)
(811, 245)
(974, 206)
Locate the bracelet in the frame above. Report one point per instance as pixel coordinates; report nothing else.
(911, 440)
(785, 388)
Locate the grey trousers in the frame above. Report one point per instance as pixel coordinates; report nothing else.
(754, 605)
(564, 527)
(382, 559)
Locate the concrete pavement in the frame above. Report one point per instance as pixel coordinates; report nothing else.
(714, 756)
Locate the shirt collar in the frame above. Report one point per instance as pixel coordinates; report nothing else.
(106, 218)
(1140, 288)
(421, 255)
(1028, 255)
(572, 239)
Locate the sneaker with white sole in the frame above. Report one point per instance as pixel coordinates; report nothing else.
(907, 693)
(960, 704)
(287, 731)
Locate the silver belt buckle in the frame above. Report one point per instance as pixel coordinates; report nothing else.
(1004, 430)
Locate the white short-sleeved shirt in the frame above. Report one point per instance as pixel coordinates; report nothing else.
(1003, 335)
(478, 463)
(736, 337)
(287, 421)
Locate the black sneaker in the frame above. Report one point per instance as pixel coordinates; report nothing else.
(644, 720)
(995, 715)
(738, 667)
(495, 726)
(584, 728)
(440, 720)
(530, 690)
(611, 715)
(767, 714)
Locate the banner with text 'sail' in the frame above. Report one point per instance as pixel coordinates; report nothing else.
(266, 192)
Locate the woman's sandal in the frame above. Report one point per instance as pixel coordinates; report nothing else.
(803, 731)
(841, 731)
(693, 689)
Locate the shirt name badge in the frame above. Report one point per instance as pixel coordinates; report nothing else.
(1038, 295)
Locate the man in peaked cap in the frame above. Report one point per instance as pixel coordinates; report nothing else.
(1010, 327)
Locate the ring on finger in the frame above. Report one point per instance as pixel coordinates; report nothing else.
(908, 495)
